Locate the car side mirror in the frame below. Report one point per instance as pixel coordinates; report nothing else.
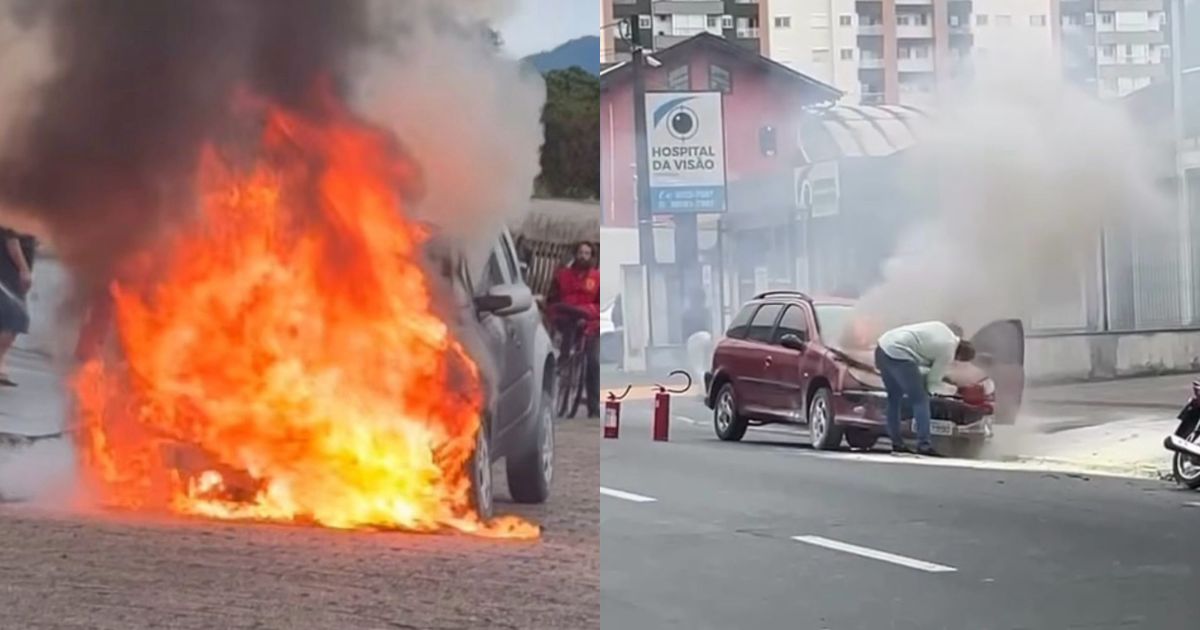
(793, 342)
(505, 299)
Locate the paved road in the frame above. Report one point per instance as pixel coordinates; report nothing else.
(115, 572)
(971, 548)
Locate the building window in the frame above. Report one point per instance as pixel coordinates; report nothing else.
(1089, 19)
(922, 52)
(903, 19)
(847, 54)
(783, 21)
(714, 23)
(820, 55)
(953, 19)
(846, 20)
(687, 25)
(679, 79)
(719, 79)
(1003, 20)
(1037, 20)
(1106, 18)
(981, 19)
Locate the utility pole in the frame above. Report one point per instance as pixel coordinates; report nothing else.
(644, 217)
(1187, 310)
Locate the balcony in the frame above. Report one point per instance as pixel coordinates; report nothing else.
(915, 64)
(870, 30)
(747, 33)
(871, 63)
(914, 3)
(914, 31)
(666, 7)
(1130, 37)
(1130, 5)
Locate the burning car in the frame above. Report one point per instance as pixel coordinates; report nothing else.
(494, 316)
(790, 358)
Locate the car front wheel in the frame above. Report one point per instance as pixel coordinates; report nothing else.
(825, 433)
(530, 472)
(729, 426)
(480, 466)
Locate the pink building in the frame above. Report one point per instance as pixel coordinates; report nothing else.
(763, 110)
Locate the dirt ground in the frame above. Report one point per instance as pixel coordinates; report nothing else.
(70, 571)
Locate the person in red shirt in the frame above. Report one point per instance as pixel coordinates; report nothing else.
(574, 300)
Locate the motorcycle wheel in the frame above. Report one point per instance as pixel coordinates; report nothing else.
(1187, 467)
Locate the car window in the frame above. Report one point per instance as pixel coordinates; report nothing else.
(764, 322)
(793, 322)
(492, 276)
(510, 259)
(741, 323)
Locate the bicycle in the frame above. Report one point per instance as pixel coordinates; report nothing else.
(572, 370)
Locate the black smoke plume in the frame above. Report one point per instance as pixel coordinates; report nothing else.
(105, 157)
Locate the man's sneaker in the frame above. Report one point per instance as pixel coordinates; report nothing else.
(927, 451)
(901, 448)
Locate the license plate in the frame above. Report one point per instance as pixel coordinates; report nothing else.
(941, 427)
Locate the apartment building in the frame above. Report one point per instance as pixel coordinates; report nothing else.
(877, 51)
(1117, 46)
(662, 23)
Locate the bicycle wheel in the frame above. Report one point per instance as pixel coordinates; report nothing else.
(566, 385)
(580, 384)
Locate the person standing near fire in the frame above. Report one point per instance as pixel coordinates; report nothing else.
(574, 300)
(900, 356)
(16, 278)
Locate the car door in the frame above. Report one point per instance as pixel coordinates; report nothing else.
(520, 328)
(1000, 351)
(497, 332)
(788, 370)
(757, 392)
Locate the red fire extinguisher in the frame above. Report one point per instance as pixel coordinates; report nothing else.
(662, 407)
(612, 414)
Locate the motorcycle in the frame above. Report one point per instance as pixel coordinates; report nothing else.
(1185, 442)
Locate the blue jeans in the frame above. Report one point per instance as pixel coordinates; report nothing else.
(903, 379)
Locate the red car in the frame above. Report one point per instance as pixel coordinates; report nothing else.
(790, 358)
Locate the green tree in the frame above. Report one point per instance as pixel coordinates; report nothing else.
(571, 119)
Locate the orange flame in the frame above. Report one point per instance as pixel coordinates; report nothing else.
(281, 359)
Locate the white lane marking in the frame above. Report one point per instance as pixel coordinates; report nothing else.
(628, 496)
(875, 554)
(1195, 504)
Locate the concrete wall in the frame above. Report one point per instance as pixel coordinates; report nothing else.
(1111, 355)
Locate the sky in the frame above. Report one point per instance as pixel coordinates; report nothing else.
(539, 25)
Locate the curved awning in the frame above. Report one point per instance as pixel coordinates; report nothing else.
(854, 131)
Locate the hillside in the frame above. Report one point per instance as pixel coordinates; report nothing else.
(583, 52)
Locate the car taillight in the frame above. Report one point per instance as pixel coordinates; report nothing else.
(973, 394)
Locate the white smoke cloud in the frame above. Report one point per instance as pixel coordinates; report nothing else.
(1026, 171)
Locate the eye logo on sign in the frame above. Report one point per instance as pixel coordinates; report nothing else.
(682, 122)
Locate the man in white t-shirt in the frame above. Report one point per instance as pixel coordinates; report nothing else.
(901, 355)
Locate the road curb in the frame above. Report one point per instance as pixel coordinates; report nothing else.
(1144, 470)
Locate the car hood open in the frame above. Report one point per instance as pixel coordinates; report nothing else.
(1000, 356)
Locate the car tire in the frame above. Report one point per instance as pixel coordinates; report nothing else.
(825, 433)
(861, 440)
(479, 467)
(531, 472)
(729, 425)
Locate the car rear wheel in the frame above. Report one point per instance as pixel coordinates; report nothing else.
(530, 473)
(729, 426)
(480, 466)
(825, 433)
